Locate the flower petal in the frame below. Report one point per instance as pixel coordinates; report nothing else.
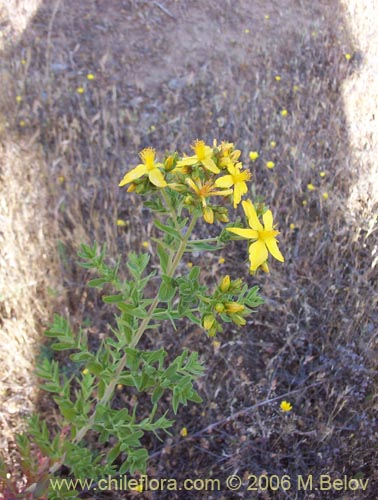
(157, 178)
(271, 243)
(239, 190)
(258, 254)
(268, 220)
(249, 234)
(135, 173)
(210, 165)
(251, 214)
(224, 182)
(189, 160)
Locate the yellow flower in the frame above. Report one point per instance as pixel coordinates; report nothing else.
(148, 167)
(189, 265)
(80, 90)
(18, 98)
(348, 56)
(253, 155)
(23, 62)
(85, 371)
(121, 223)
(228, 155)
(292, 226)
(295, 88)
(203, 154)
(246, 31)
(184, 432)
(237, 179)
(311, 187)
(22, 123)
(285, 406)
(278, 78)
(325, 196)
(304, 203)
(270, 164)
(90, 76)
(216, 344)
(221, 260)
(284, 112)
(145, 244)
(203, 191)
(138, 488)
(322, 174)
(267, 16)
(264, 235)
(273, 144)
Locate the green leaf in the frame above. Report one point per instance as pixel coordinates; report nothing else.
(166, 292)
(164, 257)
(112, 299)
(113, 453)
(167, 229)
(157, 394)
(97, 283)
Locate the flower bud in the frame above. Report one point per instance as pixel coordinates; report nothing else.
(238, 320)
(219, 307)
(225, 284)
(208, 215)
(234, 307)
(208, 321)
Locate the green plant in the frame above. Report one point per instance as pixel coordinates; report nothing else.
(178, 192)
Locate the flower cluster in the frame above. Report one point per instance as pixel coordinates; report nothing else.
(209, 173)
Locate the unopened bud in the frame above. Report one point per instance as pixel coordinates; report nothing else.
(208, 321)
(238, 320)
(225, 284)
(219, 307)
(234, 307)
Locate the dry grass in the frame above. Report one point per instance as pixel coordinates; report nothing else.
(167, 73)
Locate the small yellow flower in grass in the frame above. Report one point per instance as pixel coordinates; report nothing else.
(325, 196)
(270, 164)
(216, 344)
(246, 31)
(23, 62)
(278, 78)
(121, 223)
(152, 128)
(267, 16)
(119, 387)
(61, 179)
(18, 98)
(295, 88)
(22, 123)
(145, 244)
(285, 406)
(304, 203)
(253, 155)
(221, 260)
(311, 187)
(85, 371)
(80, 90)
(236, 179)
(138, 488)
(273, 144)
(322, 174)
(148, 167)
(189, 265)
(284, 112)
(292, 226)
(348, 56)
(263, 236)
(90, 76)
(184, 432)
(202, 154)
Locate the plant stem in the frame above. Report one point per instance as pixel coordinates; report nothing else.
(142, 328)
